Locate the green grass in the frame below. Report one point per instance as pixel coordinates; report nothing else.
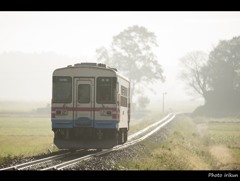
(29, 136)
(26, 136)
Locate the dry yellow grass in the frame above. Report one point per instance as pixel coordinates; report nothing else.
(193, 144)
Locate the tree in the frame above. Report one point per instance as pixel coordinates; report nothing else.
(224, 77)
(195, 72)
(142, 102)
(131, 52)
(224, 63)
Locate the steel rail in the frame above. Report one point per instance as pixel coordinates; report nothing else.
(158, 125)
(35, 162)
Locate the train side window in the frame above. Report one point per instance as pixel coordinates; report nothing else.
(124, 94)
(83, 93)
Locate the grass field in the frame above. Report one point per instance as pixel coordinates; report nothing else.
(28, 136)
(24, 136)
(192, 144)
(189, 143)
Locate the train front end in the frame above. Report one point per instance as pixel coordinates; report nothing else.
(85, 108)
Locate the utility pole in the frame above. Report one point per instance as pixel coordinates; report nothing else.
(163, 102)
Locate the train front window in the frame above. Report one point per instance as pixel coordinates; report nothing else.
(62, 89)
(83, 93)
(106, 90)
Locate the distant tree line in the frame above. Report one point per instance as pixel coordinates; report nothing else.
(215, 77)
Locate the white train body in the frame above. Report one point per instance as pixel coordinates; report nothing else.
(90, 106)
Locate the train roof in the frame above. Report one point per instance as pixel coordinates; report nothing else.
(94, 65)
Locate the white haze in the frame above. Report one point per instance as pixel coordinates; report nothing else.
(76, 35)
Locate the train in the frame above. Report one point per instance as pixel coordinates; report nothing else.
(90, 107)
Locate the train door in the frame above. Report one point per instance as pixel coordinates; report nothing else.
(84, 102)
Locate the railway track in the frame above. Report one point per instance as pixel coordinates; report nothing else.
(35, 162)
(62, 161)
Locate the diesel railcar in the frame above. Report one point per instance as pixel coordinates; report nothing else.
(90, 106)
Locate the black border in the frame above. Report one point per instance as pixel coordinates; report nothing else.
(122, 175)
(29, 5)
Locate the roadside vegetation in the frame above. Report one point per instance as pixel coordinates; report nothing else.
(191, 144)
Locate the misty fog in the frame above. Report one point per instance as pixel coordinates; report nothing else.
(34, 44)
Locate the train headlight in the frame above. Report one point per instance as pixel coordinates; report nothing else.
(106, 113)
(58, 112)
(62, 112)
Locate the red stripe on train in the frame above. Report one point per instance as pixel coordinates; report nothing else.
(114, 116)
(83, 108)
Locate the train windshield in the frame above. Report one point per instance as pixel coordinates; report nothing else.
(106, 90)
(62, 89)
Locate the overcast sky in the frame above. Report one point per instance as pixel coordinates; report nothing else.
(78, 34)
